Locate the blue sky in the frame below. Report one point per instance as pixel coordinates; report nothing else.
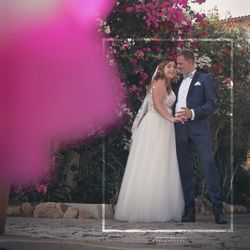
(235, 7)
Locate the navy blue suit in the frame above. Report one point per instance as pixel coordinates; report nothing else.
(201, 98)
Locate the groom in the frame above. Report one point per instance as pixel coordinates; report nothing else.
(195, 101)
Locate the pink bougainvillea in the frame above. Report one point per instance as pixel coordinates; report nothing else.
(200, 1)
(161, 19)
(41, 188)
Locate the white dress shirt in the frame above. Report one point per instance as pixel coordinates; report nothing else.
(182, 94)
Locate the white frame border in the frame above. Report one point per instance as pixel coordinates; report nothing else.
(231, 230)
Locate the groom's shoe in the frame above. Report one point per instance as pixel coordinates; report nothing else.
(188, 217)
(219, 219)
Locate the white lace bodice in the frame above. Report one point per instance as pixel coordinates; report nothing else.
(148, 107)
(168, 102)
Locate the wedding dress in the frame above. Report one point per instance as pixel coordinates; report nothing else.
(151, 189)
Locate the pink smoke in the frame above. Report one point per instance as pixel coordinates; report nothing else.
(56, 84)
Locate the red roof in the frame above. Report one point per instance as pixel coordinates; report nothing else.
(240, 18)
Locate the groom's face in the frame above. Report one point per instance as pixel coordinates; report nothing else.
(185, 66)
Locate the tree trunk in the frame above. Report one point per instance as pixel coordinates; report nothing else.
(4, 198)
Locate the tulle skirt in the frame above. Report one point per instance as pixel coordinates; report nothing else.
(151, 189)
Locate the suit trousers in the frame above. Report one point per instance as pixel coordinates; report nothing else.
(203, 144)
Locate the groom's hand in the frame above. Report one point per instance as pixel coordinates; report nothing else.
(186, 112)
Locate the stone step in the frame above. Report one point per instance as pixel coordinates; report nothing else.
(62, 210)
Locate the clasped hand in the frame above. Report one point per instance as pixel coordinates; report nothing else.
(183, 116)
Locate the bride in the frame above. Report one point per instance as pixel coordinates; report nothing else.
(151, 188)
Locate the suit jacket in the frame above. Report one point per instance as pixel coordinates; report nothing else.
(201, 98)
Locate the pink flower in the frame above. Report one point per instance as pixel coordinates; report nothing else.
(227, 81)
(132, 89)
(136, 71)
(165, 15)
(130, 9)
(148, 23)
(181, 2)
(175, 15)
(199, 17)
(139, 54)
(205, 33)
(200, 1)
(41, 188)
(124, 46)
(143, 77)
(134, 61)
(181, 43)
(138, 94)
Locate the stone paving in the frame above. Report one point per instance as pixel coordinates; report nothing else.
(35, 233)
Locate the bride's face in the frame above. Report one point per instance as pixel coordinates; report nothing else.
(170, 70)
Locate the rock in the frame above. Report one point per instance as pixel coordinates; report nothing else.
(226, 208)
(94, 209)
(71, 213)
(64, 207)
(207, 205)
(14, 211)
(203, 205)
(240, 209)
(27, 209)
(84, 214)
(48, 210)
(236, 208)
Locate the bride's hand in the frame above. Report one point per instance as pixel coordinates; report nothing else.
(178, 119)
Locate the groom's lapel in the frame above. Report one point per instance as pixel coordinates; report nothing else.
(194, 80)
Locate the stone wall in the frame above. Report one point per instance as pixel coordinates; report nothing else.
(94, 211)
